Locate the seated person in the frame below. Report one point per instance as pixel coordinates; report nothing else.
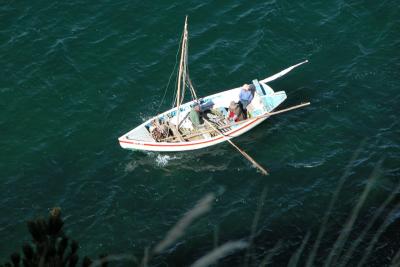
(199, 109)
(195, 116)
(158, 131)
(245, 97)
(235, 113)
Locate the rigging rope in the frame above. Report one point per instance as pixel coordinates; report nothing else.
(186, 81)
(169, 80)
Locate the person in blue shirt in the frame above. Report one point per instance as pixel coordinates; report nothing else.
(245, 97)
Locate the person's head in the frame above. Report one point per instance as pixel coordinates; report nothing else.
(232, 105)
(246, 87)
(197, 107)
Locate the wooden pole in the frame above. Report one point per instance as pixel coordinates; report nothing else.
(286, 109)
(240, 122)
(269, 114)
(247, 156)
(178, 91)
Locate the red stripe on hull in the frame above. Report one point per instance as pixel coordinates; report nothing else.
(191, 144)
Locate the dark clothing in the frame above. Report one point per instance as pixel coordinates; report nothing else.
(243, 110)
(245, 98)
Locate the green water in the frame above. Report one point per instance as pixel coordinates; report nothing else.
(76, 75)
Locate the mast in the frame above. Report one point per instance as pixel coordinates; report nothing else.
(182, 71)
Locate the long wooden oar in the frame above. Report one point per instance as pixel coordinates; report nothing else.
(258, 166)
(240, 122)
(284, 110)
(270, 114)
(247, 156)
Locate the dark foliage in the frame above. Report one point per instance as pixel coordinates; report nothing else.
(51, 247)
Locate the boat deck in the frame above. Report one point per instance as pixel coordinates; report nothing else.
(203, 131)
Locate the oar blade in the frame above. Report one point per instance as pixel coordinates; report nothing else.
(247, 156)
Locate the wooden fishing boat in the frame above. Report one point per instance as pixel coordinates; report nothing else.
(176, 130)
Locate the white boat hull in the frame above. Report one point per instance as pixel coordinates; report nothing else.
(265, 100)
(140, 138)
(185, 146)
